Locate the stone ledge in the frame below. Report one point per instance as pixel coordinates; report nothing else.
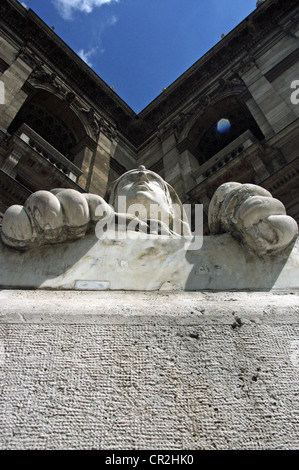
(151, 264)
(149, 370)
(119, 307)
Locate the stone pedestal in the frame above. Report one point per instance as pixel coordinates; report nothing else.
(148, 370)
(141, 262)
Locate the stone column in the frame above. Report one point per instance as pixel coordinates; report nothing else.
(14, 97)
(259, 167)
(274, 108)
(189, 165)
(172, 166)
(100, 165)
(83, 154)
(10, 163)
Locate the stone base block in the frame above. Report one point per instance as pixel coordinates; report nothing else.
(149, 370)
(148, 264)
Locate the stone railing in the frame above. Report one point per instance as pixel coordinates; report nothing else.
(46, 151)
(220, 159)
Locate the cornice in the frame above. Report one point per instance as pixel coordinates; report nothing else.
(236, 48)
(40, 39)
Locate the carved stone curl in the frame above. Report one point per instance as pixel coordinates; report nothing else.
(205, 101)
(231, 84)
(70, 97)
(108, 130)
(176, 125)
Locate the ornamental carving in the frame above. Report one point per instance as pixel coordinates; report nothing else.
(231, 84)
(177, 124)
(108, 130)
(28, 56)
(99, 125)
(91, 119)
(43, 77)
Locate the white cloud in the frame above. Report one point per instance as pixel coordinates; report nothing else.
(112, 20)
(86, 55)
(66, 7)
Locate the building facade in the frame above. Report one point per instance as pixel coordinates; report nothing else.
(232, 116)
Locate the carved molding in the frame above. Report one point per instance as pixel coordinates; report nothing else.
(28, 56)
(99, 125)
(11, 162)
(11, 188)
(108, 130)
(176, 125)
(51, 79)
(231, 84)
(289, 29)
(43, 77)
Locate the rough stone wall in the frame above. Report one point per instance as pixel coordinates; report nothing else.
(121, 370)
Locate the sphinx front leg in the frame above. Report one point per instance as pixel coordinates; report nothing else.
(250, 214)
(50, 217)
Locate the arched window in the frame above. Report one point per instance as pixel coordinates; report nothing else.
(47, 125)
(53, 120)
(218, 125)
(225, 130)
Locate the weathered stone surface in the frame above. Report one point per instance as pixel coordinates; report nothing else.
(118, 257)
(65, 214)
(139, 263)
(90, 370)
(252, 215)
(246, 211)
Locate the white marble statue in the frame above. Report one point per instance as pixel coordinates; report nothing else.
(248, 212)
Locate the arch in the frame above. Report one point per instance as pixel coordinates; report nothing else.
(203, 133)
(53, 119)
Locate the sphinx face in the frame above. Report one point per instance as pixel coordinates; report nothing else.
(144, 188)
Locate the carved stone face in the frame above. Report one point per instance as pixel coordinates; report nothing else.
(143, 187)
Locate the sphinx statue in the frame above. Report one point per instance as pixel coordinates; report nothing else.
(60, 215)
(246, 211)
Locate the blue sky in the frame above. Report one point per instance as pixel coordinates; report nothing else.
(141, 46)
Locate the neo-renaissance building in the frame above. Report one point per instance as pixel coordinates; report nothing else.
(232, 116)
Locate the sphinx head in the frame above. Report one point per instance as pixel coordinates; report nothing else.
(147, 193)
(142, 187)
